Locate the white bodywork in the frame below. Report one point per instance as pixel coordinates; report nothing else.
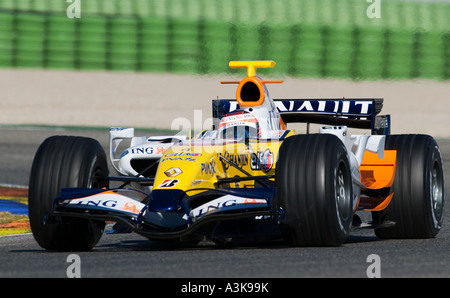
(151, 148)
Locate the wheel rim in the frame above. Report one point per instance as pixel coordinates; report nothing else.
(96, 180)
(343, 193)
(437, 186)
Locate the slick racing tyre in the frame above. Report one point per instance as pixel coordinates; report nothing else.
(314, 190)
(417, 207)
(65, 162)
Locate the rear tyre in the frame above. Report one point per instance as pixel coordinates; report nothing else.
(417, 207)
(65, 162)
(314, 190)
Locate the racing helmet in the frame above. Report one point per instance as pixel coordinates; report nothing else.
(239, 125)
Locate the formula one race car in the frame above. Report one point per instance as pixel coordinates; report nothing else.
(248, 177)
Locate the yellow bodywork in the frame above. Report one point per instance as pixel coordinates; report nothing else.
(195, 166)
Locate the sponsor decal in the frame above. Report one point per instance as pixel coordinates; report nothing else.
(262, 160)
(160, 150)
(184, 154)
(95, 202)
(226, 201)
(173, 172)
(143, 150)
(178, 159)
(148, 150)
(267, 160)
(240, 160)
(237, 119)
(209, 168)
(352, 107)
(168, 183)
(108, 200)
(131, 207)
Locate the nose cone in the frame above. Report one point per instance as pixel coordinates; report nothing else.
(180, 168)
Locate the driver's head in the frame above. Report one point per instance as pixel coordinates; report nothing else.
(239, 125)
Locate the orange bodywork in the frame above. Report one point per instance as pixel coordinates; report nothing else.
(377, 174)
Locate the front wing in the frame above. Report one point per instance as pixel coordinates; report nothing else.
(166, 214)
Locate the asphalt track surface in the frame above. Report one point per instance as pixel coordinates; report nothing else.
(130, 255)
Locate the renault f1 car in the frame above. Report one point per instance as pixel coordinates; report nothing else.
(248, 177)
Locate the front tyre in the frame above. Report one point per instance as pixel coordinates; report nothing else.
(65, 162)
(314, 190)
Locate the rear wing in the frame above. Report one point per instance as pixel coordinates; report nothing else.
(355, 112)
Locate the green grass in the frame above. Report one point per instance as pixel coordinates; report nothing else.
(320, 38)
(6, 217)
(432, 14)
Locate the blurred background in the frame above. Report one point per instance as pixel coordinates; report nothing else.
(147, 63)
(320, 38)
